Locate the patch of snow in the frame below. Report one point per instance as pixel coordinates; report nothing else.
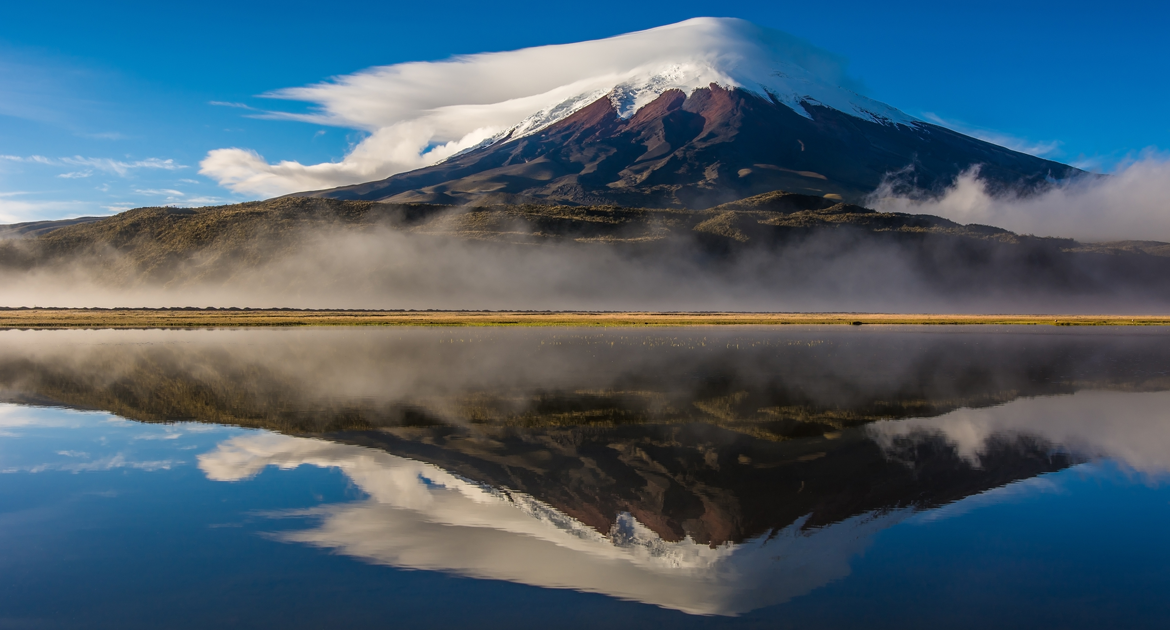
(729, 53)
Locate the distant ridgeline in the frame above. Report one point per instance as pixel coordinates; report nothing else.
(179, 246)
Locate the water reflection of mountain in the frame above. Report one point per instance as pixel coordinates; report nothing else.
(708, 537)
(419, 516)
(709, 484)
(716, 434)
(693, 517)
(712, 471)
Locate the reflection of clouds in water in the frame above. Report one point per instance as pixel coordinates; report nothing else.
(112, 462)
(10, 416)
(47, 439)
(13, 417)
(1016, 491)
(1131, 428)
(168, 435)
(419, 516)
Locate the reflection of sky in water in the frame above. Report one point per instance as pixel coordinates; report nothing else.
(39, 440)
(122, 524)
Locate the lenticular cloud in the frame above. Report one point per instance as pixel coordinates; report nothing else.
(418, 114)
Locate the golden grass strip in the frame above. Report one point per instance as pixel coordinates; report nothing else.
(230, 318)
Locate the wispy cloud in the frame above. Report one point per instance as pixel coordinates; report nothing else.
(208, 200)
(105, 135)
(121, 168)
(76, 175)
(1038, 149)
(180, 198)
(30, 159)
(235, 105)
(160, 192)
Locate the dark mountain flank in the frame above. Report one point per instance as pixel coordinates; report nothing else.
(713, 146)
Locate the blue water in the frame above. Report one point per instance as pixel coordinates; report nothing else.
(112, 523)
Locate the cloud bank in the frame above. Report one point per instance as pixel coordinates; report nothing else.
(1132, 203)
(418, 114)
(1048, 149)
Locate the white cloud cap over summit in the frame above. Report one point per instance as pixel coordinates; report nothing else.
(421, 113)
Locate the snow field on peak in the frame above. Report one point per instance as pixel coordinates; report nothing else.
(747, 57)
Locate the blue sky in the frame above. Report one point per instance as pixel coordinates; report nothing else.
(107, 106)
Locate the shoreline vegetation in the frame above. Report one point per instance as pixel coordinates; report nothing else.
(50, 318)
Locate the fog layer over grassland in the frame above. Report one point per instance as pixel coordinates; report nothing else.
(775, 252)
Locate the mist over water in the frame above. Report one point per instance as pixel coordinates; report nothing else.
(313, 378)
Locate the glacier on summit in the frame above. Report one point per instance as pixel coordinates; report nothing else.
(421, 113)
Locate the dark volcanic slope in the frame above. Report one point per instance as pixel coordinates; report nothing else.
(714, 146)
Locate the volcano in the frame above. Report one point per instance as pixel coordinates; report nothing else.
(739, 112)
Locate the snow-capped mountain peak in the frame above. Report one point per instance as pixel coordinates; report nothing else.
(433, 114)
(726, 52)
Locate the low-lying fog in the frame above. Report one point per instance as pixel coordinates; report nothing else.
(839, 270)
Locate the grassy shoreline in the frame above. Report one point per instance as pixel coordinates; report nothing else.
(48, 318)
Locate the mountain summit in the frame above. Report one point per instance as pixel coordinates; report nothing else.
(717, 110)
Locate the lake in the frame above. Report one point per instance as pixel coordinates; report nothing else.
(739, 477)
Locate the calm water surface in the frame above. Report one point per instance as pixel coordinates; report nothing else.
(741, 477)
